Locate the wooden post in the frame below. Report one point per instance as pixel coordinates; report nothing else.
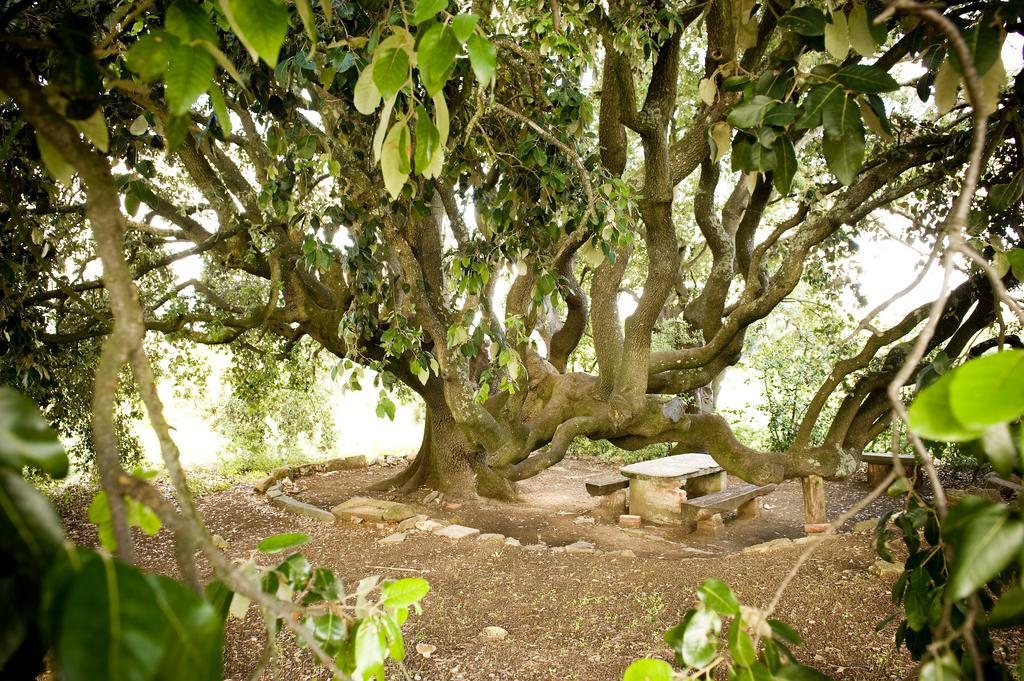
(815, 519)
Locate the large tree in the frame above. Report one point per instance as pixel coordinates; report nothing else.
(458, 194)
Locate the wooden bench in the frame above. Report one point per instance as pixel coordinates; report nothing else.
(745, 499)
(606, 484)
(880, 463)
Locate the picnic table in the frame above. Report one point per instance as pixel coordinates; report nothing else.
(657, 488)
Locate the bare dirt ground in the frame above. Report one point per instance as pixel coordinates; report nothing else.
(569, 616)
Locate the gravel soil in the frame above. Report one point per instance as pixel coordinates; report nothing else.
(568, 616)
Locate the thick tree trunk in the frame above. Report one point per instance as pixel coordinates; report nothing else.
(447, 461)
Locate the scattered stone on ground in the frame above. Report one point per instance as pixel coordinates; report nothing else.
(512, 541)
(883, 568)
(274, 492)
(624, 553)
(291, 505)
(816, 528)
(865, 526)
(584, 520)
(373, 509)
(492, 536)
(495, 633)
(396, 538)
(765, 547)
(580, 547)
(428, 525)
(430, 497)
(457, 532)
(632, 521)
(452, 506)
(410, 523)
(220, 542)
(535, 547)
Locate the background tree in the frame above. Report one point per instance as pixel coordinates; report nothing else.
(453, 194)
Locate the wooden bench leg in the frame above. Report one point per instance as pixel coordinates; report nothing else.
(815, 519)
(877, 472)
(750, 509)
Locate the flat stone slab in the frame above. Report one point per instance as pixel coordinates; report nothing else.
(492, 536)
(291, 505)
(396, 538)
(678, 467)
(377, 510)
(605, 484)
(580, 547)
(457, 532)
(411, 523)
(429, 525)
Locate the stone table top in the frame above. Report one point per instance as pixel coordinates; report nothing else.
(677, 467)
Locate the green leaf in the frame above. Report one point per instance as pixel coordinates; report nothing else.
(305, 11)
(990, 541)
(780, 115)
(25, 437)
(866, 79)
(261, 25)
(941, 669)
(426, 10)
(394, 159)
(781, 630)
(988, 390)
(717, 595)
(648, 669)
(985, 42)
(189, 74)
(749, 114)
(932, 418)
(280, 542)
(391, 71)
(1002, 196)
(366, 96)
(785, 165)
(843, 147)
(404, 592)
(55, 163)
(814, 103)
(741, 647)
(427, 140)
(837, 36)
(187, 21)
(435, 57)
(463, 25)
(393, 631)
(147, 57)
(30, 530)
(861, 39)
(370, 648)
(220, 109)
(296, 571)
(1009, 609)
(700, 640)
(329, 631)
(483, 58)
(113, 622)
(807, 21)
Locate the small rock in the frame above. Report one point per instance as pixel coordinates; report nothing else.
(429, 525)
(624, 553)
(816, 528)
(452, 506)
(396, 538)
(410, 523)
(495, 633)
(275, 492)
(355, 520)
(632, 521)
(712, 526)
(491, 536)
(584, 520)
(535, 547)
(512, 541)
(580, 547)
(425, 649)
(220, 542)
(430, 497)
(557, 549)
(767, 546)
(457, 532)
(882, 568)
(865, 526)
